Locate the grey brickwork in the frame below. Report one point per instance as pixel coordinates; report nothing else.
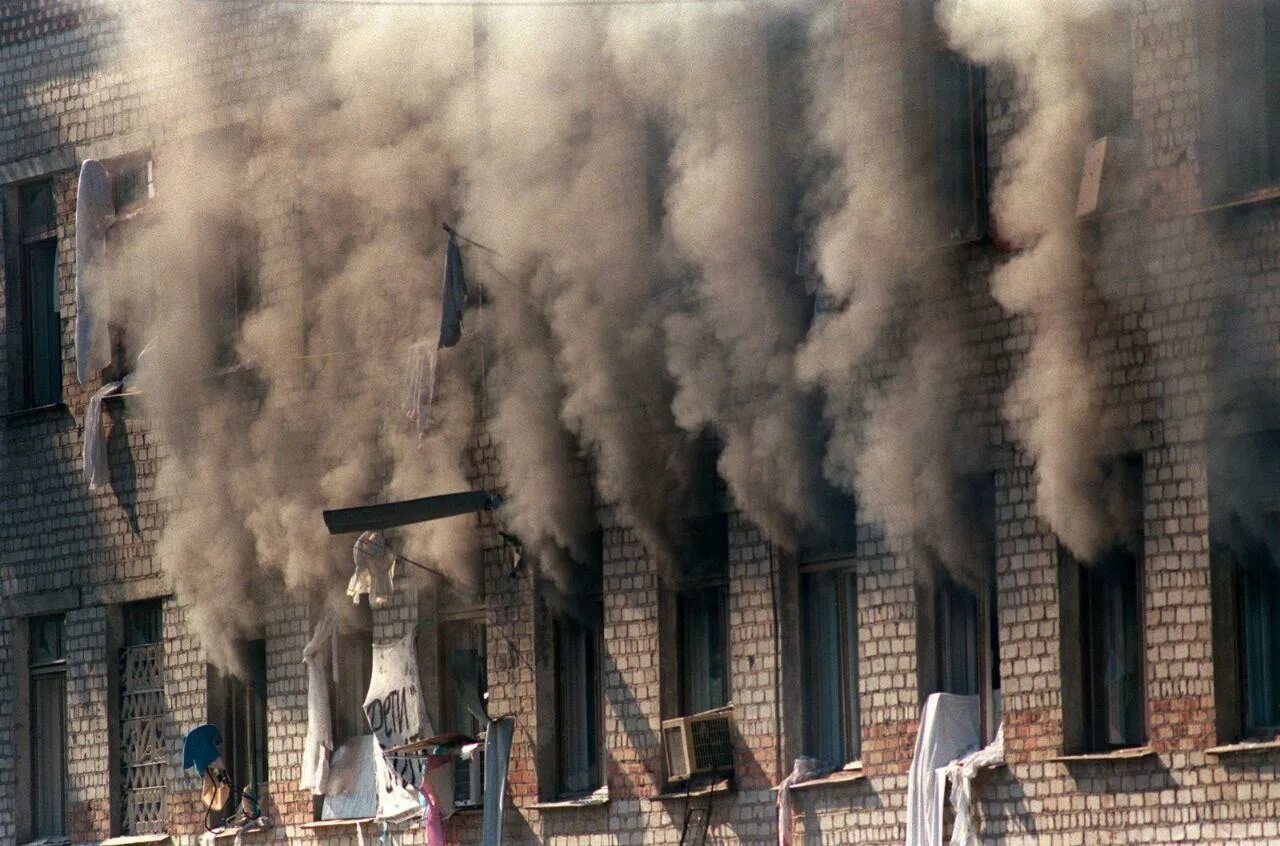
(1161, 272)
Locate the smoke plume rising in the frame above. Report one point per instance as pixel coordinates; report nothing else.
(1054, 405)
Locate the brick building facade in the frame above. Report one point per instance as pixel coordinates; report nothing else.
(78, 569)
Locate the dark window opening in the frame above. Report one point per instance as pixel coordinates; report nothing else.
(34, 311)
(353, 651)
(47, 666)
(702, 617)
(1112, 651)
(1240, 96)
(952, 127)
(1103, 651)
(829, 600)
(463, 684)
(957, 622)
(1244, 533)
(131, 252)
(238, 707)
(578, 699)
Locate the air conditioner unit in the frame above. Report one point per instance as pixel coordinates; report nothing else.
(702, 743)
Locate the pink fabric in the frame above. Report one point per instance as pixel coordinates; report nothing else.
(435, 813)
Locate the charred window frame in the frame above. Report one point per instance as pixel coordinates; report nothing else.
(47, 736)
(1103, 633)
(1244, 535)
(1239, 59)
(957, 621)
(952, 126)
(238, 707)
(34, 312)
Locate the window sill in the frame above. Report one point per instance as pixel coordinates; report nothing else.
(591, 800)
(724, 785)
(237, 832)
(34, 411)
(131, 839)
(354, 823)
(326, 825)
(1132, 753)
(49, 841)
(1253, 198)
(1245, 747)
(848, 774)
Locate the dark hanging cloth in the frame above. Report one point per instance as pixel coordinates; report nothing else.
(455, 295)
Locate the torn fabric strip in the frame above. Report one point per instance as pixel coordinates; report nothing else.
(961, 775)
(94, 461)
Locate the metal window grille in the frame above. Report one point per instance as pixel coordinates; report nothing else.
(142, 721)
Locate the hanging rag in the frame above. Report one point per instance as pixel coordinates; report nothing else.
(94, 459)
(420, 384)
(497, 751)
(95, 210)
(949, 729)
(802, 770)
(961, 775)
(437, 790)
(455, 295)
(318, 744)
(375, 570)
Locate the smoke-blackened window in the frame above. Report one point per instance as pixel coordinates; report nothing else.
(1103, 652)
(1239, 61)
(1244, 534)
(950, 125)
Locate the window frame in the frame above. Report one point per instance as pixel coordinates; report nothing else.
(24, 241)
(131, 221)
(353, 650)
(706, 576)
(1084, 714)
(848, 657)
(239, 708)
(151, 613)
(1231, 109)
(37, 670)
(465, 723)
(922, 83)
(591, 631)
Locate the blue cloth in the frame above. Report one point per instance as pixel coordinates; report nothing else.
(200, 749)
(455, 295)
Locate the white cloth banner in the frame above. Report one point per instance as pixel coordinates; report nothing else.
(949, 729)
(394, 705)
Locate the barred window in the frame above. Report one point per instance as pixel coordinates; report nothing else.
(143, 714)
